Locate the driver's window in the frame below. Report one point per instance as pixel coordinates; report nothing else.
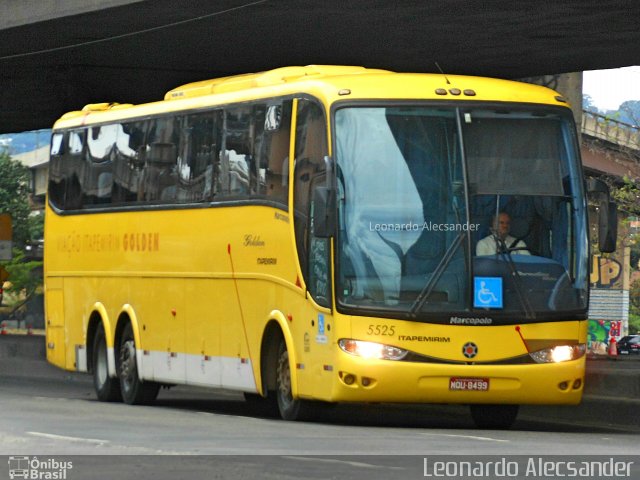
(310, 170)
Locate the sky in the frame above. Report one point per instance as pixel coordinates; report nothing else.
(609, 88)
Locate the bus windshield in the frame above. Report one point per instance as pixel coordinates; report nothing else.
(454, 215)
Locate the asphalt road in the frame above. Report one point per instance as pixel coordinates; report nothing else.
(192, 433)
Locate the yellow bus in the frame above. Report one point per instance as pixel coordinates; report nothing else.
(310, 235)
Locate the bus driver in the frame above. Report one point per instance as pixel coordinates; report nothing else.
(500, 241)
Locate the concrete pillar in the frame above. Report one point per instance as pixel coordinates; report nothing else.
(569, 85)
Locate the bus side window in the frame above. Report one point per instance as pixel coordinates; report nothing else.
(196, 158)
(273, 138)
(98, 181)
(159, 184)
(235, 155)
(310, 170)
(57, 180)
(74, 170)
(128, 162)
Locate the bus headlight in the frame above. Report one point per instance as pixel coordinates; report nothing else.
(371, 349)
(559, 353)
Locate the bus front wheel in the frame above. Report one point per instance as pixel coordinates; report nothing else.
(500, 417)
(107, 388)
(134, 390)
(290, 408)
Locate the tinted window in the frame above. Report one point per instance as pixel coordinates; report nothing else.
(240, 152)
(198, 156)
(97, 182)
(272, 151)
(73, 169)
(129, 162)
(236, 157)
(160, 177)
(57, 179)
(310, 171)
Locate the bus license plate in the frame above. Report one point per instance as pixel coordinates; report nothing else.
(469, 384)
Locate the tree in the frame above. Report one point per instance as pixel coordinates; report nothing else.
(24, 276)
(630, 112)
(634, 296)
(634, 307)
(627, 195)
(587, 103)
(14, 198)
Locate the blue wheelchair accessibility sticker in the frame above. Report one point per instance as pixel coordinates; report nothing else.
(487, 292)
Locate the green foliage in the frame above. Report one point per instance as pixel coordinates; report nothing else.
(634, 308)
(630, 112)
(14, 198)
(634, 296)
(587, 103)
(627, 196)
(35, 225)
(23, 275)
(635, 254)
(634, 323)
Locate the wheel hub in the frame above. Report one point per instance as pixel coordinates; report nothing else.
(127, 363)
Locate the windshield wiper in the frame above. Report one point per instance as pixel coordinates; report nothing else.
(424, 294)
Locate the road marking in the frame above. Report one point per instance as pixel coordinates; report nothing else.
(331, 460)
(52, 436)
(469, 437)
(55, 399)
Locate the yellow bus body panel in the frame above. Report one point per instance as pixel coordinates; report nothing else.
(201, 284)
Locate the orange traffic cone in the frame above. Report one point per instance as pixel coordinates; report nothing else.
(613, 348)
(3, 328)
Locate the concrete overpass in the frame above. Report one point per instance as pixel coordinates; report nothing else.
(57, 56)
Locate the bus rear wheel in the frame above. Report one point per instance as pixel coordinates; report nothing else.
(290, 408)
(499, 417)
(107, 388)
(134, 390)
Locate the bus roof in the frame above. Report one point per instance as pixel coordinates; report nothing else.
(328, 82)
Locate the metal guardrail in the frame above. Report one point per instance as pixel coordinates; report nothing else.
(606, 128)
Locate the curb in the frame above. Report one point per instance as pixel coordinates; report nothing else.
(31, 347)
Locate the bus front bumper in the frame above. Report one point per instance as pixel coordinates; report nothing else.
(366, 380)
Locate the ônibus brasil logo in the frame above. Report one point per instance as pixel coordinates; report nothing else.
(33, 468)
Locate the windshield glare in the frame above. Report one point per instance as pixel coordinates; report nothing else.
(445, 212)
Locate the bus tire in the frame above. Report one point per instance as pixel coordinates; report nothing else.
(290, 408)
(107, 388)
(498, 417)
(134, 390)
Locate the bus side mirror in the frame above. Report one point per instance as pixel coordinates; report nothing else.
(607, 215)
(323, 216)
(607, 227)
